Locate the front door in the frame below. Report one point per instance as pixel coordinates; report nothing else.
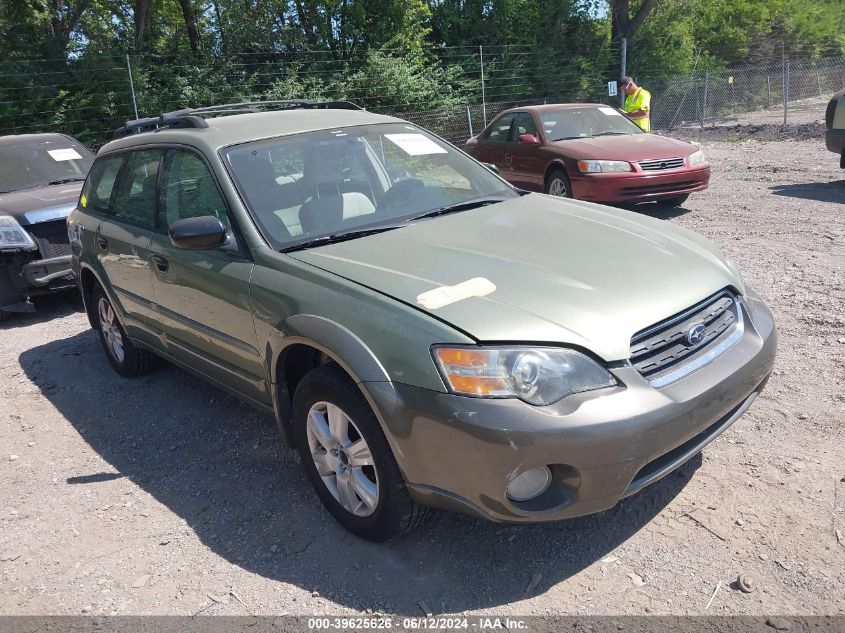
(495, 147)
(204, 296)
(527, 163)
(123, 238)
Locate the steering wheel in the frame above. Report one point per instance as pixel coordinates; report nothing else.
(399, 193)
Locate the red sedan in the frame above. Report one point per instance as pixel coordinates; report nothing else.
(590, 152)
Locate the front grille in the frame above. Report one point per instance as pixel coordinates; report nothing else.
(659, 164)
(673, 348)
(51, 237)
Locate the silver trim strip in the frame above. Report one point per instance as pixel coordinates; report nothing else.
(51, 213)
(704, 359)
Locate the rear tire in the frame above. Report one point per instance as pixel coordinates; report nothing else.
(347, 458)
(126, 359)
(557, 184)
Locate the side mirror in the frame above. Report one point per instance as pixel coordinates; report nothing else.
(199, 234)
(492, 168)
(529, 139)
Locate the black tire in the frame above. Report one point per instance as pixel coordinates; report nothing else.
(395, 512)
(675, 201)
(558, 178)
(135, 361)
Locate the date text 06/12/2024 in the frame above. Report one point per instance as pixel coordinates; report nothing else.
(413, 624)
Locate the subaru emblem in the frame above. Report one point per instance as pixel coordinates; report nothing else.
(696, 334)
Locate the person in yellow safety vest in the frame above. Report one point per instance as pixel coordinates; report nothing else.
(637, 103)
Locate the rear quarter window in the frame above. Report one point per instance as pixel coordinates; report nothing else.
(98, 189)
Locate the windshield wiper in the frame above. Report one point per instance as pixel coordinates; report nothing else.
(612, 133)
(62, 181)
(460, 206)
(339, 237)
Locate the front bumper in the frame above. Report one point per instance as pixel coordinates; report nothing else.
(639, 186)
(460, 453)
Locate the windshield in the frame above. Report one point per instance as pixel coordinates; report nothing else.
(584, 122)
(314, 185)
(38, 163)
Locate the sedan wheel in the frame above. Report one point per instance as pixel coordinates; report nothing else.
(557, 184)
(342, 458)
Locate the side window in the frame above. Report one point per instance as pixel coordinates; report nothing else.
(188, 190)
(501, 128)
(523, 124)
(96, 194)
(137, 196)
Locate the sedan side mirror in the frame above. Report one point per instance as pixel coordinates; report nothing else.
(529, 139)
(199, 234)
(492, 168)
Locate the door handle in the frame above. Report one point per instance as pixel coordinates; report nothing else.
(103, 242)
(160, 262)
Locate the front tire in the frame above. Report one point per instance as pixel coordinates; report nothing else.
(557, 184)
(126, 359)
(675, 201)
(347, 458)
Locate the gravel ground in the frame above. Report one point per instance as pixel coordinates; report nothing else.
(163, 495)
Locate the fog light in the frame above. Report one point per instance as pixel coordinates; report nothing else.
(532, 483)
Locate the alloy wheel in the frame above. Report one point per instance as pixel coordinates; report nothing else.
(111, 329)
(557, 188)
(343, 458)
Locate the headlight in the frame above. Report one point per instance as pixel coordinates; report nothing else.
(697, 158)
(603, 166)
(13, 236)
(540, 376)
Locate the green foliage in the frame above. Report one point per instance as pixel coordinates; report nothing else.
(399, 55)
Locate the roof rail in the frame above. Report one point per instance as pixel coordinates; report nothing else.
(193, 117)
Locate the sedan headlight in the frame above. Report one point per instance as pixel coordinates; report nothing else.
(603, 166)
(538, 375)
(697, 158)
(12, 235)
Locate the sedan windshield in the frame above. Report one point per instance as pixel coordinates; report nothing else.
(318, 187)
(35, 164)
(569, 123)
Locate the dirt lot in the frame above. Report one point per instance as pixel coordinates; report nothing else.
(163, 495)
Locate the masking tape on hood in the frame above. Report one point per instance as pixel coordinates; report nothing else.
(445, 295)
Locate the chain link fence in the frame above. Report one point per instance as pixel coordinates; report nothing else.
(91, 98)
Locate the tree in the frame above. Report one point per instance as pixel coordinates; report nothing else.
(622, 23)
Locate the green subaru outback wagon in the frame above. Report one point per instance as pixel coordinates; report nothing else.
(422, 332)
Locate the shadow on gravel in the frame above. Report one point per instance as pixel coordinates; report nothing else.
(833, 191)
(219, 465)
(47, 307)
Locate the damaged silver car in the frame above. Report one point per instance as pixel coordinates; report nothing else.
(40, 179)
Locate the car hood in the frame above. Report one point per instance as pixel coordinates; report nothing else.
(539, 270)
(42, 204)
(632, 147)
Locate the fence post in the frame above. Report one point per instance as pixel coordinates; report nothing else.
(132, 86)
(469, 121)
(704, 100)
(818, 77)
(769, 90)
(483, 94)
(624, 67)
(785, 90)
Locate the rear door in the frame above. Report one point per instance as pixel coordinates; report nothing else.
(122, 240)
(204, 296)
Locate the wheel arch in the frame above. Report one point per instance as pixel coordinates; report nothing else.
(313, 341)
(554, 166)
